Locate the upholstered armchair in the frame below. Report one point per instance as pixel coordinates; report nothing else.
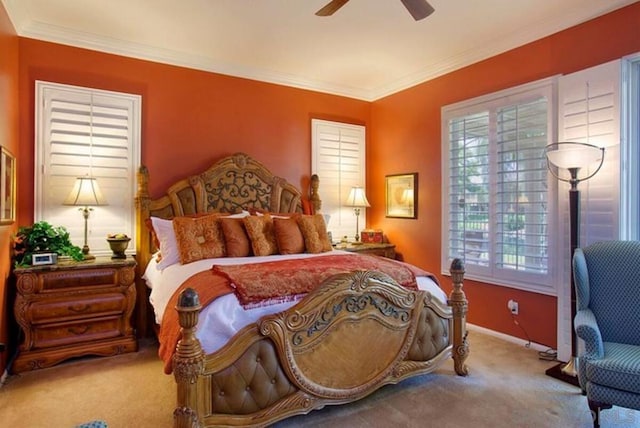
(607, 281)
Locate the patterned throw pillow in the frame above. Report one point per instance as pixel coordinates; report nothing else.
(235, 237)
(199, 237)
(314, 232)
(261, 235)
(288, 236)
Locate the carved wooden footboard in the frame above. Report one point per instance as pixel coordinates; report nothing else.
(352, 335)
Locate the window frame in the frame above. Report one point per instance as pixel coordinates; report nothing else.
(630, 150)
(122, 215)
(341, 218)
(535, 282)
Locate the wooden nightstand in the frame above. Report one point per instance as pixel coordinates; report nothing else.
(384, 250)
(72, 309)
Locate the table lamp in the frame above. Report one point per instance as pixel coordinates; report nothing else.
(85, 194)
(357, 199)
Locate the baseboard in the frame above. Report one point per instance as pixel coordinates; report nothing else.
(507, 338)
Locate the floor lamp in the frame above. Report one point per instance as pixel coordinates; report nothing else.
(572, 157)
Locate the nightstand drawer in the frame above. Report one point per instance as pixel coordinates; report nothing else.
(75, 308)
(61, 334)
(69, 279)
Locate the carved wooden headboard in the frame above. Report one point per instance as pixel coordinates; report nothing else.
(232, 184)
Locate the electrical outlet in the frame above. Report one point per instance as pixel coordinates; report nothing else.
(513, 306)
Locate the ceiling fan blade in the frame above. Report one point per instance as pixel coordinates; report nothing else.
(331, 7)
(419, 9)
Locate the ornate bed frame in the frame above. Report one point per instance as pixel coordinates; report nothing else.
(304, 358)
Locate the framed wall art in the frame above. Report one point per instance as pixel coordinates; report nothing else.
(7, 187)
(402, 195)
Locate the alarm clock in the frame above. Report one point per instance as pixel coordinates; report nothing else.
(44, 259)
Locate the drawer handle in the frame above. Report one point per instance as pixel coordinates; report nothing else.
(78, 330)
(79, 308)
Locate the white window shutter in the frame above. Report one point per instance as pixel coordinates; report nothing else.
(338, 157)
(79, 132)
(589, 112)
(495, 210)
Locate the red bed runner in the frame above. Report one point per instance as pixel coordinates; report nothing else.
(258, 284)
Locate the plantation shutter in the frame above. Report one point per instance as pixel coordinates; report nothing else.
(589, 112)
(495, 209)
(80, 132)
(338, 157)
(469, 189)
(521, 204)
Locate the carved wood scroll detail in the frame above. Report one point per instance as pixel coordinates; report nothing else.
(352, 314)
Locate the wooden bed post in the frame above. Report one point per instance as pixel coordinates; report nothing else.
(459, 305)
(143, 250)
(188, 361)
(314, 197)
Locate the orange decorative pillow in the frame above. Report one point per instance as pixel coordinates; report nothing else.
(260, 232)
(314, 232)
(235, 237)
(199, 238)
(288, 236)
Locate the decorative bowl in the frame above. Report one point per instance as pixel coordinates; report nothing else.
(118, 247)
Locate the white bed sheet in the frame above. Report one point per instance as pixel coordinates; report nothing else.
(221, 319)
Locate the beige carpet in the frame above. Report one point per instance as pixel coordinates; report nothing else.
(506, 388)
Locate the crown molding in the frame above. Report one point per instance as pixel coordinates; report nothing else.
(27, 27)
(498, 45)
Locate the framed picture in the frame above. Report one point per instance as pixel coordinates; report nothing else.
(7, 187)
(402, 195)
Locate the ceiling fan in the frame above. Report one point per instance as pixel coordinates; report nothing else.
(419, 9)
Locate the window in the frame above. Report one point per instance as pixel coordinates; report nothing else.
(338, 157)
(497, 200)
(630, 122)
(80, 132)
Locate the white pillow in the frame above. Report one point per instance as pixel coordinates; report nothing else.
(241, 214)
(168, 244)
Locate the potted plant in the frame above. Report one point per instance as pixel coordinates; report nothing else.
(42, 237)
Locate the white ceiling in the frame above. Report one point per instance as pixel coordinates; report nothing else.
(366, 50)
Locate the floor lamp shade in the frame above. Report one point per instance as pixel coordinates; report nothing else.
(357, 199)
(86, 193)
(572, 157)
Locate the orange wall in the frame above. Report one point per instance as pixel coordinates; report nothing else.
(9, 140)
(189, 118)
(406, 137)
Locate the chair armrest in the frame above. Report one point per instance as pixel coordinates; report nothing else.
(586, 327)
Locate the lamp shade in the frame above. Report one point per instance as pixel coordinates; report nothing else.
(568, 155)
(357, 198)
(85, 192)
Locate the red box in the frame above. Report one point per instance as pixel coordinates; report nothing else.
(371, 236)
